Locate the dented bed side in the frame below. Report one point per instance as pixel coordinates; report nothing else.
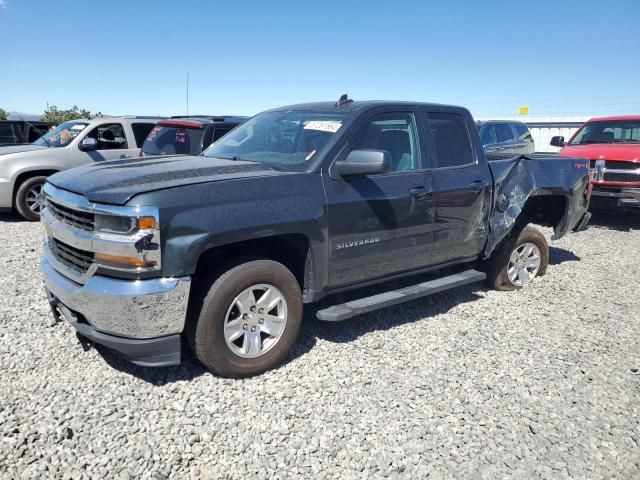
(519, 180)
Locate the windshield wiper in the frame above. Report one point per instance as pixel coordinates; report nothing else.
(235, 158)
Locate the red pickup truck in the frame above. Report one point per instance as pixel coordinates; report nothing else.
(612, 144)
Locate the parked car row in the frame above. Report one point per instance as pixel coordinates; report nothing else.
(24, 168)
(296, 204)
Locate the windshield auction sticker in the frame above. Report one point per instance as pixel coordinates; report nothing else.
(323, 125)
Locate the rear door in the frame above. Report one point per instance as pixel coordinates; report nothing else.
(462, 186)
(381, 224)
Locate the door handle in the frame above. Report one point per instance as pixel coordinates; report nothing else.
(478, 185)
(420, 192)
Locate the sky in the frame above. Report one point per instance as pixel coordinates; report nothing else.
(132, 57)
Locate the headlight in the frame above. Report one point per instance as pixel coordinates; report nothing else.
(123, 225)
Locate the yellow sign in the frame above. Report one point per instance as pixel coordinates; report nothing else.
(523, 110)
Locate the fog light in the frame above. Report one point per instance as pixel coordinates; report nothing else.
(123, 262)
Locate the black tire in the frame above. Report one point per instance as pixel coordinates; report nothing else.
(205, 330)
(24, 197)
(497, 265)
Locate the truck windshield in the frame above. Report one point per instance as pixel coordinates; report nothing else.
(611, 131)
(62, 135)
(173, 140)
(283, 138)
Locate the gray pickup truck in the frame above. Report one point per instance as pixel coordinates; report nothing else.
(25, 168)
(294, 205)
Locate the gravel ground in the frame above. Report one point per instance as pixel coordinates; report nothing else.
(542, 383)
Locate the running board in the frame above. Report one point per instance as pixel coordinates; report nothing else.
(347, 310)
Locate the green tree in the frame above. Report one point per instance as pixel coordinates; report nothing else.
(3, 114)
(56, 115)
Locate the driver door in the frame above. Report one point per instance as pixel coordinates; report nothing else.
(113, 143)
(381, 224)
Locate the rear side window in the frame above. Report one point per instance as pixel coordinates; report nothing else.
(450, 134)
(219, 132)
(36, 131)
(522, 130)
(503, 132)
(6, 134)
(489, 135)
(168, 140)
(140, 132)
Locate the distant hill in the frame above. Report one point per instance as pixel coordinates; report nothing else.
(23, 116)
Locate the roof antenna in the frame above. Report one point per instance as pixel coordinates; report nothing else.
(344, 100)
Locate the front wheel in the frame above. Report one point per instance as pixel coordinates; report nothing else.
(27, 199)
(248, 320)
(521, 258)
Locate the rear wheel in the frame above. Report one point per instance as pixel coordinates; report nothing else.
(27, 198)
(248, 320)
(521, 258)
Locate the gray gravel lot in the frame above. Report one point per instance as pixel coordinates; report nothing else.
(542, 383)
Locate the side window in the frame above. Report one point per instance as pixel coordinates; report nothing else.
(489, 135)
(140, 132)
(110, 136)
(395, 133)
(6, 134)
(450, 134)
(503, 132)
(35, 132)
(219, 132)
(522, 130)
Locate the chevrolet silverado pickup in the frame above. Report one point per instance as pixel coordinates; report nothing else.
(612, 145)
(294, 205)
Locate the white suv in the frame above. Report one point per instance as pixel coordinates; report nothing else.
(24, 168)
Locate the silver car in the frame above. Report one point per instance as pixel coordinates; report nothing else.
(24, 168)
(506, 137)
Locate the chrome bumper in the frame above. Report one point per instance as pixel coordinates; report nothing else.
(127, 308)
(626, 197)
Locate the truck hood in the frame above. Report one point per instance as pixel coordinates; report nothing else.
(20, 148)
(117, 181)
(607, 151)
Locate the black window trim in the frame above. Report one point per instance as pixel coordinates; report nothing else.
(436, 166)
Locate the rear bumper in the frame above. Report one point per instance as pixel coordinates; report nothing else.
(583, 224)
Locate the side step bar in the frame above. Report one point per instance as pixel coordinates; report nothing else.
(347, 310)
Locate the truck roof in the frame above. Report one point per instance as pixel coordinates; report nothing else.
(353, 105)
(615, 117)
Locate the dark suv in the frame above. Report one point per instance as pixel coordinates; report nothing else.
(16, 132)
(505, 136)
(187, 135)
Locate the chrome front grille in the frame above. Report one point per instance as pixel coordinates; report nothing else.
(615, 171)
(76, 218)
(619, 176)
(73, 258)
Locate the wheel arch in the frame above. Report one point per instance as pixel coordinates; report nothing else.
(26, 175)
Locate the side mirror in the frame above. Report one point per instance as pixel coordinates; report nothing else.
(557, 141)
(364, 162)
(88, 143)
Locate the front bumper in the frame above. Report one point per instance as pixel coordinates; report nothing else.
(127, 315)
(617, 197)
(151, 352)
